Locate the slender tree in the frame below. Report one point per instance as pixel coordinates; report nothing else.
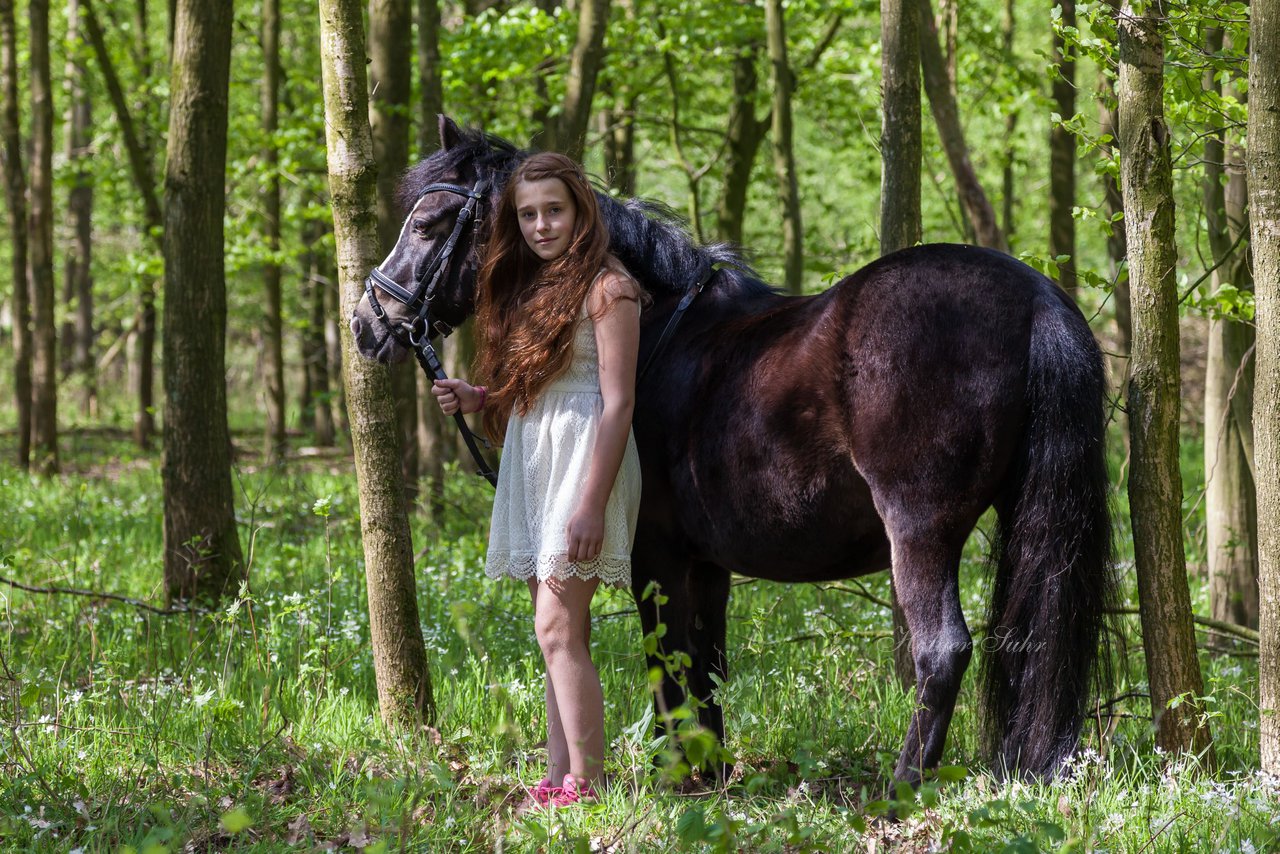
(580, 85)
(1264, 219)
(1155, 483)
(15, 192)
(202, 557)
(138, 147)
(399, 656)
(1008, 24)
(1062, 151)
(900, 154)
(746, 132)
(273, 328)
(390, 42)
(77, 289)
(782, 81)
(1230, 512)
(1117, 243)
(947, 117)
(44, 365)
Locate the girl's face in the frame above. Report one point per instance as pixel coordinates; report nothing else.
(547, 215)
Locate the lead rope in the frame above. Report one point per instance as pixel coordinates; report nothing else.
(429, 361)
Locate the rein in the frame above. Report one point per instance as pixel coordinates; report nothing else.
(418, 337)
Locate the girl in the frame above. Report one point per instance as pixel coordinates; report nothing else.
(558, 325)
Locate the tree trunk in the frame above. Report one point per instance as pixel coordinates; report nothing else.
(315, 356)
(202, 557)
(784, 161)
(746, 132)
(138, 149)
(272, 326)
(15, 190)
(619, 133)
(390, 64)
(433, 450)
(1117, 243)
(1062, 153)
(1264, 203)
(947, 117)
(900, 133)
(431, 101)
(1230, 513)
(399, 657)
(79, 285)
(44, 367)
(580, 85)
(900, 228)
(1155, 483)
(1007, 190)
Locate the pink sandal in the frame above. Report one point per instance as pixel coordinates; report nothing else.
(542, 794)
(573, 792)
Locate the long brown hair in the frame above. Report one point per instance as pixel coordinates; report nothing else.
(527, 309)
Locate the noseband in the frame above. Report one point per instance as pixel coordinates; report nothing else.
(418, 337)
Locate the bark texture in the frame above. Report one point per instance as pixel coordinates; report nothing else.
(77, 289)
(44, 333)
(272, 326)
(15, 193)
(431, 101)
(202, 557)
(580, 86)
(946, 115)
(1062, 153)
(782, 80)
(746, 132)
(390, 64)
(1264, 204)
(1230, 508)
(1155, 483)
(399, 657)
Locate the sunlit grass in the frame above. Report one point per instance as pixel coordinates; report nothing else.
(256, 727)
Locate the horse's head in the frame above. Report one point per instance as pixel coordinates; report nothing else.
(426, 285)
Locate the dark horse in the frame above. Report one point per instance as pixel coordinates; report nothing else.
(806, 439)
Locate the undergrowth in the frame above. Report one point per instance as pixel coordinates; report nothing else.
(256, 727)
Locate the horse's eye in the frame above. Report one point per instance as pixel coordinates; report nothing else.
(420, 227)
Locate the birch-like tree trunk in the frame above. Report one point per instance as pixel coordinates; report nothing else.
(15, 193)
(399, 656)
(1155, 483)
(202, 557)
(1062, 153)
(946, 116)
(272, 323)
(1264, 218)
(44, 332)
(1230, 509)
(782, 81)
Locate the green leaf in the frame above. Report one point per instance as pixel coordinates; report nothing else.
(235, 821)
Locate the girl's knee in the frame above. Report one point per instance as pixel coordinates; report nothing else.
(558, 631)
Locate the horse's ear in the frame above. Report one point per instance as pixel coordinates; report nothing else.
(450, 136)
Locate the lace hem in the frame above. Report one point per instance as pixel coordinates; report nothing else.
(610, 569)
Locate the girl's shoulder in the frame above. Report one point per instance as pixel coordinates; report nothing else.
(612, 284)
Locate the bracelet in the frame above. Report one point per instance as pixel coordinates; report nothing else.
(484, 392)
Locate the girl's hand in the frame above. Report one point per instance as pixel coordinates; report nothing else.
(452, 394)
(585, 534)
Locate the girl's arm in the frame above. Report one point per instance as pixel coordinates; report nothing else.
(451, 394)
(617, 345)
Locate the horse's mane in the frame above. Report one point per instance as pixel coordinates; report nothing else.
(649, 238)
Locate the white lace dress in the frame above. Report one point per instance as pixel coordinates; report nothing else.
(545, 460)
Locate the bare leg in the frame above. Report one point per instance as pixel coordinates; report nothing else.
(562, 620)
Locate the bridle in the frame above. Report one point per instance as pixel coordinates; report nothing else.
(415, 334)
(419, 299)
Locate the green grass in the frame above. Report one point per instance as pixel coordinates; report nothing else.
(257, 728)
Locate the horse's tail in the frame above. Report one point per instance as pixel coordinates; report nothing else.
(1052, 552)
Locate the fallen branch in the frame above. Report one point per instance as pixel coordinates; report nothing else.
(1242, 632)
(96, 594)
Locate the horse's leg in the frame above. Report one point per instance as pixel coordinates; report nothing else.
(668, 605)
(925, 579)
(709, 598)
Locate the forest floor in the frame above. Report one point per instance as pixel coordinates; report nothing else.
(256, 727)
